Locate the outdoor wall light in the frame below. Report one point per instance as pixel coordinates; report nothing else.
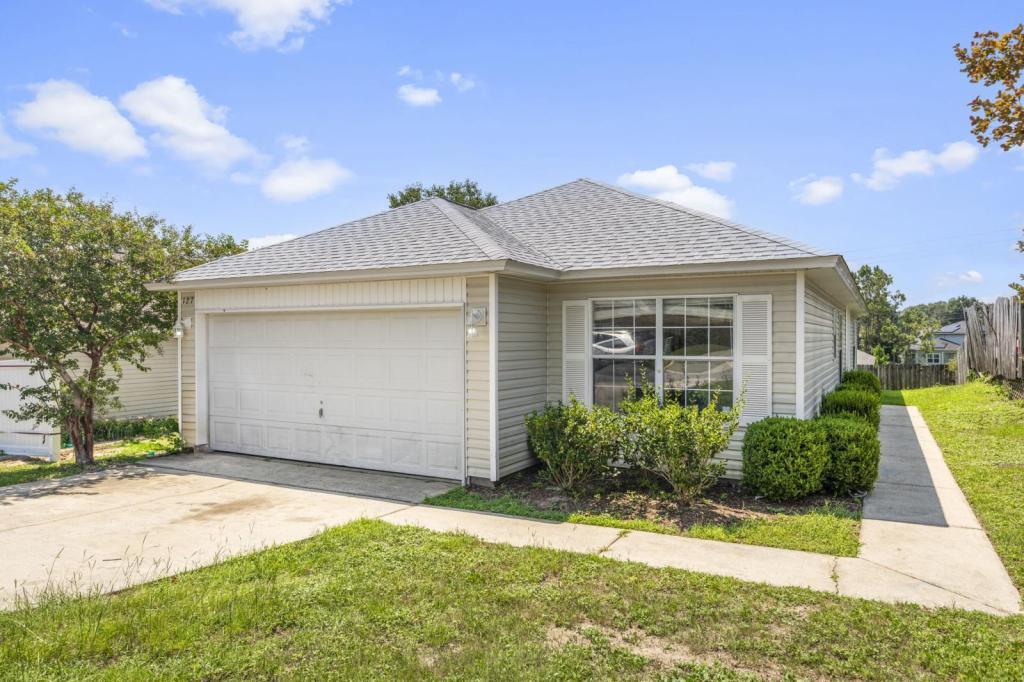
(475, 317)
(181, 326)
(471, 332)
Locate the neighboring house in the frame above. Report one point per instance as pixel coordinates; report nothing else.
(142, 394)
(945, 344)
(417, 340)
(864, 358)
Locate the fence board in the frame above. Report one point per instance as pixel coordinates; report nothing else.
(896, 376)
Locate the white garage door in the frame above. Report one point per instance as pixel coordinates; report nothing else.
(377, 390)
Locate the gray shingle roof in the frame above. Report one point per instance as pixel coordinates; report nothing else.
(577, 226)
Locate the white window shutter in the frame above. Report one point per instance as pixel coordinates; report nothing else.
(754, 332)
(576, 350)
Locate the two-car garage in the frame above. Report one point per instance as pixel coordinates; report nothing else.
(376, 389)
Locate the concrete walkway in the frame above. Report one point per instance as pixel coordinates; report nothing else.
(920, 541)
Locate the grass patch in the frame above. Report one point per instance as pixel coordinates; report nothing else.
(107, 455)
(981, 433)
(372, 601)
(830, 529)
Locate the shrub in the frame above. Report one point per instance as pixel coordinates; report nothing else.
(862, 379)
(119, 429)
(675, 442)
(853, 453)
(784, 458)
(576, 444)
(855, 402)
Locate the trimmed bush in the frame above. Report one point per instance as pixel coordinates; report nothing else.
(576, 444)
(853, 453)
(784, 458)
(676, 443)
(862, 379)
(855, 402)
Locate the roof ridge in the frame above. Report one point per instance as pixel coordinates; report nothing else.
(778, 239)
(511, 235)
(531, 194)
(488, 247)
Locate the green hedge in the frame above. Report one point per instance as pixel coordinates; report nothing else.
(853, 453)
(784, 458)
(855, 402)
(863, 380)
(120, 429)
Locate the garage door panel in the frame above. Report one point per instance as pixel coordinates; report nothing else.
(390, 385)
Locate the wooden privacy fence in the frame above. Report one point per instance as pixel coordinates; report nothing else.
(993, 342)
(899, 376)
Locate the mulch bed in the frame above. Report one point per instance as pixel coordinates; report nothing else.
(631, 495)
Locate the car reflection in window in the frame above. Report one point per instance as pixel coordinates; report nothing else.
(614, 343)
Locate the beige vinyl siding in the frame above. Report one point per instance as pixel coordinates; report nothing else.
(821, 348)
(522, 366)
(432, 291)
(781, 286)
(478, 385)
(189, 430)
(152, 393)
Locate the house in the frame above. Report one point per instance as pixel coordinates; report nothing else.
(416, 340)
(142, 394)
(944, 346)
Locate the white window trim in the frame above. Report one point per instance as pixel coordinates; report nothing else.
(737, 370)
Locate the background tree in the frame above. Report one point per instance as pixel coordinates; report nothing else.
(1017, 286)
(948, 311)
(467, 193)
(996, 60)
(73, 300)
(887, 331)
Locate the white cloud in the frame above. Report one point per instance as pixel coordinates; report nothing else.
(11, 148)
(279, 24)
(303, 178)
(815, 191)
(462, 83)
(669, 184)
(418, 97)
(69, 113)
(294, 144)
(408, 71)
(260, 242)
(714, 170)
(949, 279)
(189, 126)
(888, 170)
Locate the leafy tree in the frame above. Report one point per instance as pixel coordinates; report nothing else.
(73, 300)
(1017, 286)
(467, 193)
(887, 330)
(948, 311)
(996, 60)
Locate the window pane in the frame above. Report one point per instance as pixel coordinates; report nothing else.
(604, 382)
(647, 313)
(720, 313)
(698, 398)
(673, 342)
(696, 312)
(602, 314)
(725, 399)
(674, 312)
(646, 341)
(721, 376)
(624, 313)
(674, 375)
(720, 341)
(697, 341)
(697, 374)
(614, 342)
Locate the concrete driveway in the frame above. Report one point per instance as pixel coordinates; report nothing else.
(109, 530)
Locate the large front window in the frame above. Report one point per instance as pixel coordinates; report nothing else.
(681, 345)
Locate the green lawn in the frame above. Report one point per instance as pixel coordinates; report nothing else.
(831, 530)
(12, 472)
(981, 434)
(372, 601)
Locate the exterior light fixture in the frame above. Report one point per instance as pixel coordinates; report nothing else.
(475, 317)
(471, 332)
(181, 326)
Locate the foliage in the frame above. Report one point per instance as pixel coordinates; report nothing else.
(576, 444)
(675, 442)
(119, 429)
(467, 193)
(853, 454)
(886, 330)
(856, 402)
(946, 312)
(73, 300)
(996, 60)
(1018, 286)
(862, 379)
(784, 458)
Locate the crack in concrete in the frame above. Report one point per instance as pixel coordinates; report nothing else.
(936, 586)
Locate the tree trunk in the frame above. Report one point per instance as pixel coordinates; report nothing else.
(80, 428)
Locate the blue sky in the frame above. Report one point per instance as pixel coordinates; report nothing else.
(283, 120)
